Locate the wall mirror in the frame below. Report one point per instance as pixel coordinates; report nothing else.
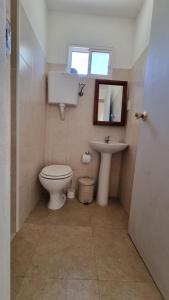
(110, 103)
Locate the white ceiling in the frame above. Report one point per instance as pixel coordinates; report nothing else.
(117, 8)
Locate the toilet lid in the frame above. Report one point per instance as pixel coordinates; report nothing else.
(56, 171)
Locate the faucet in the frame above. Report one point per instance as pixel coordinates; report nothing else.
(107, 139)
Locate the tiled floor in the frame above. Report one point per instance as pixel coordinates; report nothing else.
(78, 253)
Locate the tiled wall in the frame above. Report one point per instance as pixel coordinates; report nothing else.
(67, 140)
(136, 94)
(31, 116)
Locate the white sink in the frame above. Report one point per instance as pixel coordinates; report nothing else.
(106, 150)
(110, 147)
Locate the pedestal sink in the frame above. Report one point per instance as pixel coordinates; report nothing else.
(106, 150)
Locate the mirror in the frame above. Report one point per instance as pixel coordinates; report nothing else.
(110, 102)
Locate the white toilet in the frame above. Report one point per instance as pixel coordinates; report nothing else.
(54, 179)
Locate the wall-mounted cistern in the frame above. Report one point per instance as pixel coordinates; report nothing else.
(63, 91)
(106, 148)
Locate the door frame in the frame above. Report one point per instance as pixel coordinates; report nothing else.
(5, 150)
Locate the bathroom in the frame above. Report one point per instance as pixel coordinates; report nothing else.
(85, 209)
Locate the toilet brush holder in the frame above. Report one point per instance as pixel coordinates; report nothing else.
(71, 194)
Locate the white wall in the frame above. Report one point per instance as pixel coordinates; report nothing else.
(143, 29)
(37, 15)
(56, 31)
(75, 29)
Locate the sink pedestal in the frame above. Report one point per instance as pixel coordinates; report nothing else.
(106, 150)
(104, 178)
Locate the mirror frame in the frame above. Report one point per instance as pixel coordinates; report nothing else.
(98, 82)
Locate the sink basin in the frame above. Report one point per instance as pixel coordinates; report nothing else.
(106, 150)
(110, 147)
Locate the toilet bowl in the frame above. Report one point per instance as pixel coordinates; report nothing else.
(55, 179)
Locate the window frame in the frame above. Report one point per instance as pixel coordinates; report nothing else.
(89, 50)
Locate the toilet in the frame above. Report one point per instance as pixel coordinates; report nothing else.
(55, 179)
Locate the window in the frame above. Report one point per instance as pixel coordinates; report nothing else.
(89, 62)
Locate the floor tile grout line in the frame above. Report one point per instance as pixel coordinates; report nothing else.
(85, 279)
(99, 291)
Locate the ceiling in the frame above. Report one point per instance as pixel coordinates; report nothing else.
(112, 8)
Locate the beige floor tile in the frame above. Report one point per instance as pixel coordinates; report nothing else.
(60, 238)
(16, 283)
(23, 248)
(65, 252)
(114, 290)
(67, 264)
(75, 213)
(54, 289)
(30, 234)
(42, 289)
(75, 204)
(39, 214)
(124, 268)
(72, 214)
(62, 255)
(112, 241)
(112, 215)
(82, 290)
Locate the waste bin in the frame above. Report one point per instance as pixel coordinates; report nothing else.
(86, 190)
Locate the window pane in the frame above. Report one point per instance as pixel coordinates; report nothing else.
(100, 63)
(79, 63)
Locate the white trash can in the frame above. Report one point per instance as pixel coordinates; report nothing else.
(86, 190)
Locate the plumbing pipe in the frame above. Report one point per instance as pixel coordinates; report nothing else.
(62, 107)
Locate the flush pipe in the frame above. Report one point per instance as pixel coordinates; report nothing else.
(62, 107)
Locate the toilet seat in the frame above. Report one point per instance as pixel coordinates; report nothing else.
(56, 172)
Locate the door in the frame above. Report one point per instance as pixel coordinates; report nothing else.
(4, 160)
(149, 218)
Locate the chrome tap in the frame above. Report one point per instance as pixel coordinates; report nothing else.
(107, 139)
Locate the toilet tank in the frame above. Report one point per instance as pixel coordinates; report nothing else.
(63, 88)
